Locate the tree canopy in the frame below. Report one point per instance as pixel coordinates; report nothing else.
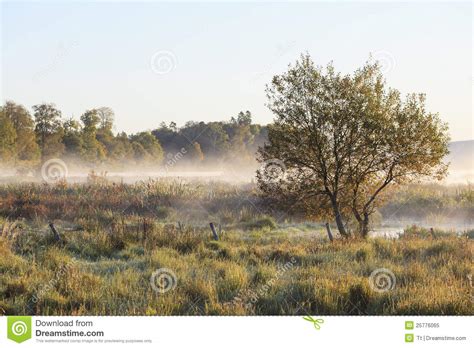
(30, 139)
(342, 140)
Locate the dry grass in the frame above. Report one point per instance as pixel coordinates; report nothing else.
(91, 273)
(107, 256)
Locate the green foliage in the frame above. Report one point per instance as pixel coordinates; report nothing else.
(92, 150)
(18, 145)
(346, 139)
(24, 140)
(49, 130)
(73, 140)
(147, 147)
(7, 139)
(27, 150)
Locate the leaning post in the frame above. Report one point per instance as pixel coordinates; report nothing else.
(56, 235)
(214, 233)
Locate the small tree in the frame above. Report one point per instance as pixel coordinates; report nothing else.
(106, 116)
(92, 150)
(196, 154)
(72, 138)
(347, 138)
(7, 139)
(49, 130)
(27, 150)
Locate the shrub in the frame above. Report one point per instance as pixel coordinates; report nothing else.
(265, 222)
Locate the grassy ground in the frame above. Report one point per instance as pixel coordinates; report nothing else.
(114, 240)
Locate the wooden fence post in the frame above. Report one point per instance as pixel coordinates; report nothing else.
(56, 235)
(214, 233)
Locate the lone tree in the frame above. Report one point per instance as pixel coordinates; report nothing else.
(344, 139)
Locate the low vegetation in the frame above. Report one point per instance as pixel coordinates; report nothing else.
(113, 237)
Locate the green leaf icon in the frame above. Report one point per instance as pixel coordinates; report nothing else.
(19, 328)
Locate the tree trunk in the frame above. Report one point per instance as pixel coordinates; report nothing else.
(363, 222)
(328, 228)
(338, 217)
(364, 226)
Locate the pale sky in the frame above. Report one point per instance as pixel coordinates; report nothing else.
(90, 54)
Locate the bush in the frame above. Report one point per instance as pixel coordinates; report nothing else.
(265, 222)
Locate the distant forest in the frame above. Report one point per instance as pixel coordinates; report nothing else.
(27, 139)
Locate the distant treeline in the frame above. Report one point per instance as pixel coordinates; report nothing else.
(28, 139)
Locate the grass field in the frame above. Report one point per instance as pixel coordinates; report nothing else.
(146, 249)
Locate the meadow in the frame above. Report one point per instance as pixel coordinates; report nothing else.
(113, 238)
